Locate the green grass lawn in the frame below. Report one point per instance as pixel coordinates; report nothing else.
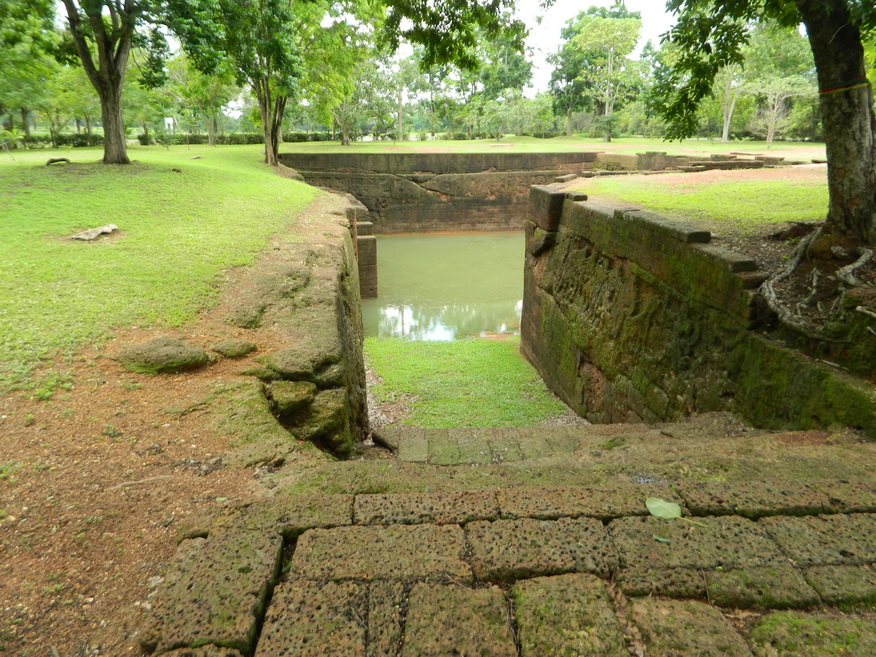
(467, 383)
(179, 230)
(511, 143)
(738, 207)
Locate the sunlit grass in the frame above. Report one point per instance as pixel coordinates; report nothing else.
(742, 206)
(467, 383)
(182, 222)
(514, 144)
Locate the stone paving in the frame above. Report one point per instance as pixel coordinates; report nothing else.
(441, 562)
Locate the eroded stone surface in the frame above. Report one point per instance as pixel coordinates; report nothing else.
(797, 634)
(825, 540)
(567, 615)
(385, 604)
(780, 587)
(292, 397)
(290, 515)
(752, 499)
(234, 348)
(728, 542)
(163, 354)
(849, 496)
(314, 619)
(372, 552)
(669, 582)
(219, 593)
(453, 620)
(603, 502)
(672, 628)
(204, 651)
(844, 586)
(517, 549)
(413, 509)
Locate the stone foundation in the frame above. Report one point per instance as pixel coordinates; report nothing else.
(427, 192)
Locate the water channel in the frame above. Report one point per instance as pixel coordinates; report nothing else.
(447, 286)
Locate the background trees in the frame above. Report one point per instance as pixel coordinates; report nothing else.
(711, 35)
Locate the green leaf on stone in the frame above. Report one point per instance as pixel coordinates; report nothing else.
(660, 508)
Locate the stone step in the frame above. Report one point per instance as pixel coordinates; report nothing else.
(551, 552)
(482, 445)
(425, 589)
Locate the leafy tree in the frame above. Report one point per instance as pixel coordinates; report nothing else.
(502, 67)
(710, 35)
(199, 94)
(568, 90)
(605, 38)
(778, 68)
(772, 117)
(27, 37)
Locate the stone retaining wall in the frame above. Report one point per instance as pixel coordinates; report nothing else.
(312, 386)
(420, 192)
(629, 316)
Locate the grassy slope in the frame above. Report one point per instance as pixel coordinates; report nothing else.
(740, 206)
(179, 230)
(467, 383)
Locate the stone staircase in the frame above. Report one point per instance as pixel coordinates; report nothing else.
(536, 541)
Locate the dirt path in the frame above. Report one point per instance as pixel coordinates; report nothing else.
(97, 481)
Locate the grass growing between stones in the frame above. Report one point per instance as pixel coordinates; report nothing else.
(742, 206)
(182, 222)
(466, 383)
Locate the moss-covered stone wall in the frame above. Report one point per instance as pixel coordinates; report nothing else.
(307, 292)
(629, 316)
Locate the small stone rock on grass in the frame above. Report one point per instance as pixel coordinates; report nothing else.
(234, 348)
(163, 354)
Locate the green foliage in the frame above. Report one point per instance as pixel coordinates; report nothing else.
(601, 41)
(711, 35)
(463, 383)
(178, 231)
(448, 30)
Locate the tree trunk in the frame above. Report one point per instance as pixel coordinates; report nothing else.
(25, 124)
(113, 42)
(211, 129)
(401, 126)
(268, 111)
(846, 104)
(569, 121)
(7, 118)
(728, 114)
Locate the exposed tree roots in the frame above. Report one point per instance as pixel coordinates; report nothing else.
(826, 291)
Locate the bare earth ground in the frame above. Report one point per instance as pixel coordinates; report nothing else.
(95, 482)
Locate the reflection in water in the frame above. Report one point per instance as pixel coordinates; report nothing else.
(444, 287)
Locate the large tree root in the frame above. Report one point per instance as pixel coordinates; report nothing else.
(844, 275)
(768, 290)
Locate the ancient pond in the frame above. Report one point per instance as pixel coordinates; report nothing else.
(447, 286)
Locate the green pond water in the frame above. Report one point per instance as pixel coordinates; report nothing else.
(447, 287)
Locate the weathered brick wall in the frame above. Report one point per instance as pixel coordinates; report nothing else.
(421, 192)
(629, 316)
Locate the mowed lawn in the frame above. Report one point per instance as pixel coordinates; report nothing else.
(465, 383)
(738, 202)
(182, 222)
